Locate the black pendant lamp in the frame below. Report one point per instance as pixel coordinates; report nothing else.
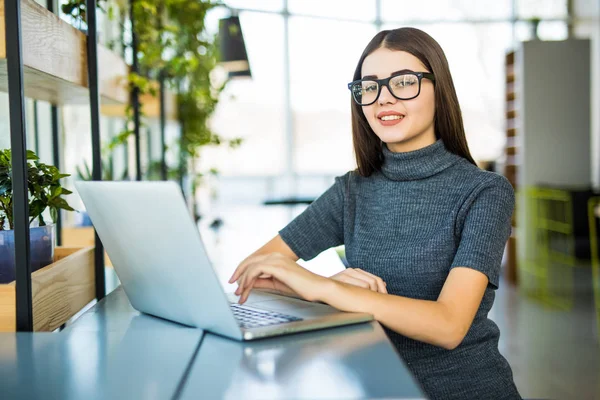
(233, 50)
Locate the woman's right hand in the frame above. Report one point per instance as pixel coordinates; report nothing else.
(358, 277)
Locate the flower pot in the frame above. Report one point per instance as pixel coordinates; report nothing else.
(41, 248)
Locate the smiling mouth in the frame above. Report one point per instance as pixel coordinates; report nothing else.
(391, 117)
(390, 120)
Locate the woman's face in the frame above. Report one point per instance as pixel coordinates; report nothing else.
(415, 128)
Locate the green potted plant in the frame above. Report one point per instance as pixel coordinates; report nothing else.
(45, 191)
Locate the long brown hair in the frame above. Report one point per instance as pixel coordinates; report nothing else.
(448, 118)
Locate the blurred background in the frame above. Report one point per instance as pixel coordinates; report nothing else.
(255, 124)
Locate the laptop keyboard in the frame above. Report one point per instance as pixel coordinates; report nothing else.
(252, 318)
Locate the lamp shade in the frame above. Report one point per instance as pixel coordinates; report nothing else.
(233, 50)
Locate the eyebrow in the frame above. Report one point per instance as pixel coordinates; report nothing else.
(393, 73)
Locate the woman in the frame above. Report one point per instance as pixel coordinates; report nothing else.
(423, 227)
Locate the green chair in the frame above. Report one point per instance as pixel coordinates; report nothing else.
(546, 269)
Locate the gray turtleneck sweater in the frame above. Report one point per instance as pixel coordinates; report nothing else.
(424, 213)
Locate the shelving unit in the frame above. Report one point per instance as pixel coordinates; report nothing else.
(55, 63)
(44, 58)
(47, 59)
(511, 165)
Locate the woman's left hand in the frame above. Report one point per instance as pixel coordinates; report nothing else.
(278, 267)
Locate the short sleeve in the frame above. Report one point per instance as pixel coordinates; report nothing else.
(484, 226)
(320, 226)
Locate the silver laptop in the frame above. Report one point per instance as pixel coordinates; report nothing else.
(159, 257)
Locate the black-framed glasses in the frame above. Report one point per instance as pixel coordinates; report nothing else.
(403, 86)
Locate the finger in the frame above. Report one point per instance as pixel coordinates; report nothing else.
(381, 285)
(241, 269)
(244, 265)
(253, 271)
(238, 290)
(250, 282)
(357, 274)
(262, 283)
(243, 280)
(247, 290)
(240, 283)
(356, 282)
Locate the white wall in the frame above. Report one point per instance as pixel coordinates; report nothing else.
(555, 113)
(587, 25)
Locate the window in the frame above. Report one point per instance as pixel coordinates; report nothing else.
(253, 109)
(444, 10)
(263, 5)
(478, 76)
(362, 10)
(541, 9)
(321, 65)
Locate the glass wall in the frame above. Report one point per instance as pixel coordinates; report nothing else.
(308, 52)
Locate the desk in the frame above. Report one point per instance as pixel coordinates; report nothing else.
(114, 352)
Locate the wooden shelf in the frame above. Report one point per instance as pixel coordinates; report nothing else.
(59, 290)
(510, 168)
(81, 236)
(55, 60)
(150, 106)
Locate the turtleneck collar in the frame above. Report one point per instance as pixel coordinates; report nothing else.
(418, 164)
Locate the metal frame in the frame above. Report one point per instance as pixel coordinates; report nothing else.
(92, 58)
(51, 5)
(36, 128)
(56, 162)
(378, 21)
(289, 174)
(18, 147)
(135, 96)
(163, 156)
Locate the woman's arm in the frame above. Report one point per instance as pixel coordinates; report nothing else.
(443, 322)
(353, 276)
